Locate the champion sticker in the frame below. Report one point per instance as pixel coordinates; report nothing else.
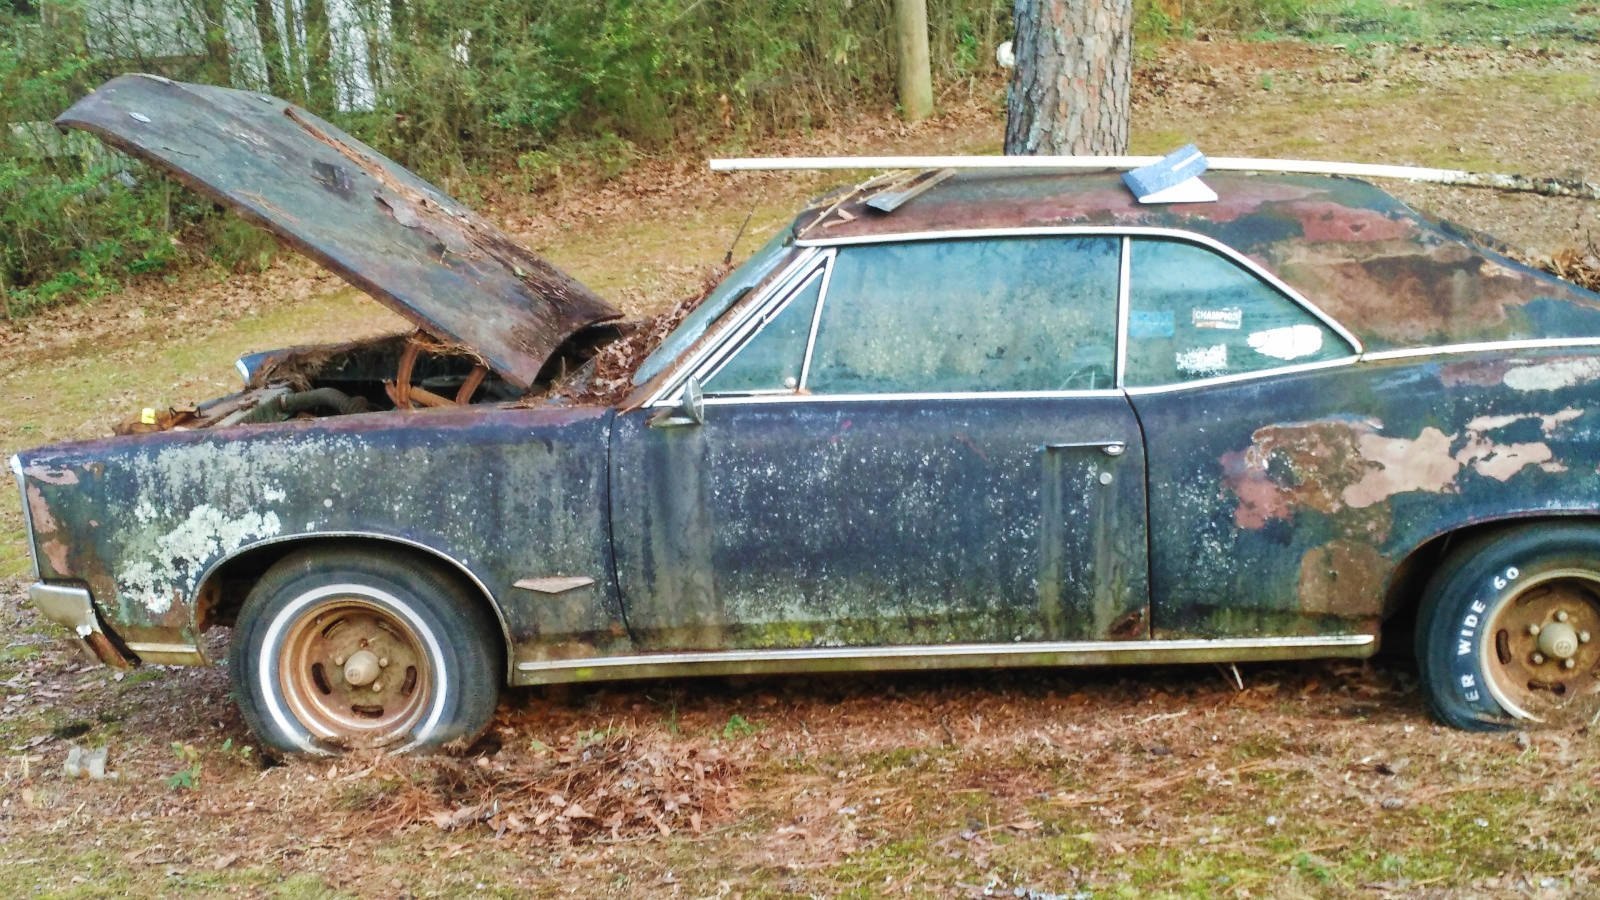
(1229, 318)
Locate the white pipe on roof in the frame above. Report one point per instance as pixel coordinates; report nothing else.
(1555, 187)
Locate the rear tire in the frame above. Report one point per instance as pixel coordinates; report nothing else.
(1509, 630)
(340, 649)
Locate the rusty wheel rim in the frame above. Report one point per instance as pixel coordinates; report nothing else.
(1542, 657)
(354, 673)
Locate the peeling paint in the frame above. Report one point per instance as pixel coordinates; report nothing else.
(1553, 375)
(1397, 465)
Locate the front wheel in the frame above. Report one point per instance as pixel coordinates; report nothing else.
(340, 649)
(1509, 632)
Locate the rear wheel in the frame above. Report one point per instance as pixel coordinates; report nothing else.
(1509, 632)
(339, 649)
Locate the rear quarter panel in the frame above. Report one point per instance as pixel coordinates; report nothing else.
(1284, 505)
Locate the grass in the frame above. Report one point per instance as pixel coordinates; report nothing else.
(1362, 23)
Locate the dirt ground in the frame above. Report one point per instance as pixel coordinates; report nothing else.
(1290, 780)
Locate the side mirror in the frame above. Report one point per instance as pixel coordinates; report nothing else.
(690, 411)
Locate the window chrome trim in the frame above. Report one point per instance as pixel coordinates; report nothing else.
(680, 369)
(1481, 347)
(789, 397)
(743, 336)
(1123, 293)
(27, 513)
(816, 318)
(1238, 377)
(933, 653)
(669, 394)
(1105, 231)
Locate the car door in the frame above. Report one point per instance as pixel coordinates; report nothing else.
(916, 442)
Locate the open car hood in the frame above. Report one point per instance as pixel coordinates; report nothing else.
(361, 215)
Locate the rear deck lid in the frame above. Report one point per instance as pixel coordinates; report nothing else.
(360, 214)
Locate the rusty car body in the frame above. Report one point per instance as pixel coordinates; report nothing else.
(990, 428)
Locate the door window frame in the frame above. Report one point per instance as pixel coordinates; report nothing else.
(725, 341)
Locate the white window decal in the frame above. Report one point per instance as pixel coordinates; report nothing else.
(1203, 361)
(1291, 342)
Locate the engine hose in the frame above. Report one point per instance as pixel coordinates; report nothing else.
(286, 405)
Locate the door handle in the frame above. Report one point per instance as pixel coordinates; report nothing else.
(1109, 448)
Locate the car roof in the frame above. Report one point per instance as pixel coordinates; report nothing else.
(1394, 277)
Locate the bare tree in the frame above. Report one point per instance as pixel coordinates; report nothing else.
(1069, 90)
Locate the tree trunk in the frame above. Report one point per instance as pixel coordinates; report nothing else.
(319, 59)
(1069, 90)
(271, 48)
(219, 58)
(916, 72)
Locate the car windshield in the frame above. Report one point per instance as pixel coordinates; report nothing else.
(747, 276)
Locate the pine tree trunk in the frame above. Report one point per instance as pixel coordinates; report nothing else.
(1069, 90)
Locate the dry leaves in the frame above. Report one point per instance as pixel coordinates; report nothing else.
(609, 377)
(614, 787)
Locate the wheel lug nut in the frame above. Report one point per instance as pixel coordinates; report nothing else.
(1538, 659)
(1561, 615)
(339, 660)
(383, 662)
(1583, 637)
(1569, 663)
(377, 686)
(1533, 630)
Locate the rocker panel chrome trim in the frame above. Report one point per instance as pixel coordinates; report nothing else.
(953, 656)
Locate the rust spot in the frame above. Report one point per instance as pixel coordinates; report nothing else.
(43, 521)
(1342, 578)
(1323, 221)
(53, 476)
(1292, 466)
(1477, 373)
(56, 552)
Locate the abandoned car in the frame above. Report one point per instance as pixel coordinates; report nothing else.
(1019, 419)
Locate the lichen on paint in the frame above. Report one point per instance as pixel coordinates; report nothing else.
(181, 552)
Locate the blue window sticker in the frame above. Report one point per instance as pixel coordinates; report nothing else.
(1150, 323)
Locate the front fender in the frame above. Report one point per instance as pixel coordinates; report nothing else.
(505, 494)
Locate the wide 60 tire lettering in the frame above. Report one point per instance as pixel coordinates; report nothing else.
(352, 649)
(1508, 628)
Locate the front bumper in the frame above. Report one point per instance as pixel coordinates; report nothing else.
(72, 607)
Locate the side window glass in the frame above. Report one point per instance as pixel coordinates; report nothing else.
(770, 358)
(1193, 313)
(994, 314)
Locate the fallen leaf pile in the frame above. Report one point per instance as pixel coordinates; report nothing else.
(610, 378)
(1579, 266)
(609, 787)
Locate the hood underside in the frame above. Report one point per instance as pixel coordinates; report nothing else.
(360, 214)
